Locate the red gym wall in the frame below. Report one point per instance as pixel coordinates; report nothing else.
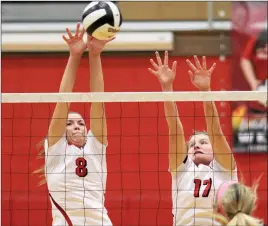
(139, 185)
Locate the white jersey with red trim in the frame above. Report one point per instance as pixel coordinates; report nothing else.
(76, 179)
(194, 190)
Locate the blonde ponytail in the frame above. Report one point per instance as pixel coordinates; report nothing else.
(238, 202)
(239, 211)
(240, 219)
(245, 220)
(217, 217)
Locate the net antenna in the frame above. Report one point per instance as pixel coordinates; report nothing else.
(192, 96)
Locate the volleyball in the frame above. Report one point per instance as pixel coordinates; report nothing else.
(102, 20)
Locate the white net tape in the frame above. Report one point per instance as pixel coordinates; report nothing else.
(134, 97)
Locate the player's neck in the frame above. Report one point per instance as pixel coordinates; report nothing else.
(76, 145)
(202, 163)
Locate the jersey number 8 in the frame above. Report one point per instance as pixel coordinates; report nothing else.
(81, 169)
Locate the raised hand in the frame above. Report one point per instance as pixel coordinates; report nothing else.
(164, 74)
(96, 46)
(200, 76)
(75, 42)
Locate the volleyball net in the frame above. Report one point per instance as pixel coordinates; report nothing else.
(138, 183)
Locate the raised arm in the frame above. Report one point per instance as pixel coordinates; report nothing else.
(249, 73)
(177, 147)
(98, 124)
(76, 47)
(201, 78)
(247, 66)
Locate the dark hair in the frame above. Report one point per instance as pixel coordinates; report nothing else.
(261, 40)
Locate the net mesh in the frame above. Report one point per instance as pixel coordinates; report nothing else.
(138, 188)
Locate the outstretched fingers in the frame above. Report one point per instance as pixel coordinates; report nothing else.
(77, 29)
(159, 61)
(69, 33)
(212, 68)
(154, 64)
(110, 39)
(166, 58)
(152, 71)
(65, 39)
(191, 65)
(197, 63)
(204, 63)
(81, 35)
(191, 74)
(174, 67)
(78, 34)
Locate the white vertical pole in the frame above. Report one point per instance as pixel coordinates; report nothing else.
(210, 15)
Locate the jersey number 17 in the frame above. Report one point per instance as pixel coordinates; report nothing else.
(198, 183)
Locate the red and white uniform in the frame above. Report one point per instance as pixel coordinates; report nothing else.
(76, 179)
(259, 62)
(194, 190)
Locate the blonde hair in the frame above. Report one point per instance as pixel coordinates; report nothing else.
(238, 203)
(41, 155)
(196, 132)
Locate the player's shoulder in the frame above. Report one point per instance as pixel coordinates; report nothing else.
(223, 173)
(59, 146)
(94, 142)
(215, 165)
(188, 163)
(185, 167)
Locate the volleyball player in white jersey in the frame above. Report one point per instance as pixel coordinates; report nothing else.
(75, 164)
(201, 165)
